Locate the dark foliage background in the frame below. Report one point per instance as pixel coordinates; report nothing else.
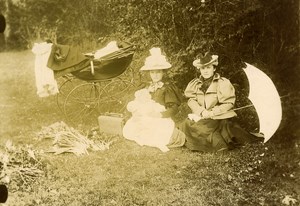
(264, 33)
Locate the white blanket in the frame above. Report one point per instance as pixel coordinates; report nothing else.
(109, 48)
(146, 126)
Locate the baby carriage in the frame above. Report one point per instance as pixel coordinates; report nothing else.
(94, 86)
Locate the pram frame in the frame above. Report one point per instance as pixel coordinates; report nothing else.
(82, 98)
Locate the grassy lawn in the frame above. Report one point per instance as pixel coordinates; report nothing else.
(127, 174)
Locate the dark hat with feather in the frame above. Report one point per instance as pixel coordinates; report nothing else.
(205, 60)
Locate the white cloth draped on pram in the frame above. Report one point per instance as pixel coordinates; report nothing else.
(108, 49)
(45, 82)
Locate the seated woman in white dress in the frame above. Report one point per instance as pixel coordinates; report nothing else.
(154, 108)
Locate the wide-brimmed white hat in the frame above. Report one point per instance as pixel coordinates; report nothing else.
(205, 60)
(156, 61)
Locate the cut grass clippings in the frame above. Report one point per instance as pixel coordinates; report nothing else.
(69, 140)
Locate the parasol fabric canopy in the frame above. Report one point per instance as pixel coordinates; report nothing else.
(266, 100)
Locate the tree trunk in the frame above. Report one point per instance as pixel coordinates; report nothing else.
(5, 35)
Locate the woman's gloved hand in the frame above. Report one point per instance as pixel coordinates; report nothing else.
(206, 114)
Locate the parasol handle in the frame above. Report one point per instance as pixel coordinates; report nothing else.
(251, 105)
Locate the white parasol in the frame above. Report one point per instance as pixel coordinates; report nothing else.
(266, 100)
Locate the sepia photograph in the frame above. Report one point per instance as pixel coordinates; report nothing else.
(149, 103)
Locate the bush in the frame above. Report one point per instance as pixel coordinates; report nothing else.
(260, 32)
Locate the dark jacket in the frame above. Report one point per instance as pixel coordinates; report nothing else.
(64, 56)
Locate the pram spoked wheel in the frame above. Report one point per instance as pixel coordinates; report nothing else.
(115, 95)
(67, 84)
(87, 101)
(80, 105)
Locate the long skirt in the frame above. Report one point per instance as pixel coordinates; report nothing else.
(210, 135)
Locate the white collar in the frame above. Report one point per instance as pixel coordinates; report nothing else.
(155, 85)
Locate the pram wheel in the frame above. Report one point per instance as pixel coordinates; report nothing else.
(85, 102)
(115, 95)
(67, 84)
(80, 106)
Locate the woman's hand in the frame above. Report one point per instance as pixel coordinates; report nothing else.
(207, 114)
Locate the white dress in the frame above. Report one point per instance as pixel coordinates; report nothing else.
(146, 126)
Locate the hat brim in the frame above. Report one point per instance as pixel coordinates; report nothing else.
(214, 61)
(155, 67)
